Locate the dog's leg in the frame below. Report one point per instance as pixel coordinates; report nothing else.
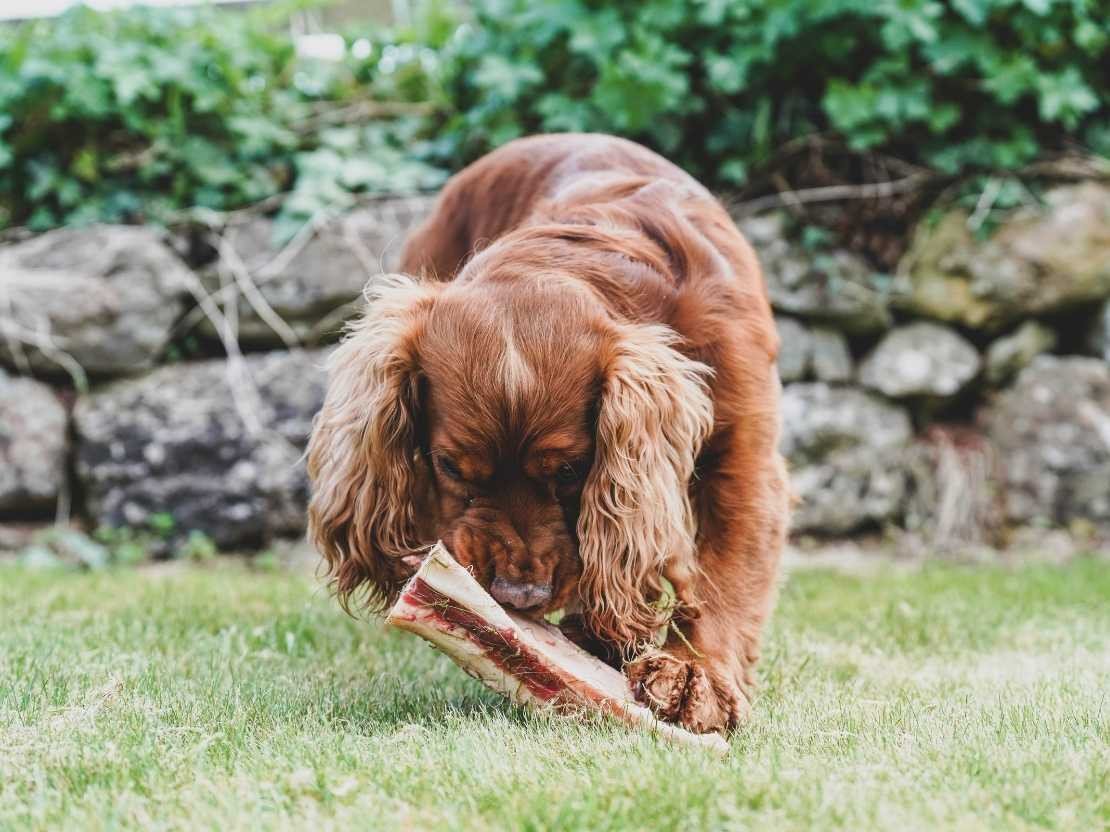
(703, 675)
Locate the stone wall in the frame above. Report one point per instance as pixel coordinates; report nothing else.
(960, 398)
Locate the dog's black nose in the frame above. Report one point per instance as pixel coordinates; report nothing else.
(521, 596)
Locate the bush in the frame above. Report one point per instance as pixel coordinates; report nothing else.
(721, 85)
(137, 115)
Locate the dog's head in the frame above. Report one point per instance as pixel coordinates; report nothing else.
(546, 440)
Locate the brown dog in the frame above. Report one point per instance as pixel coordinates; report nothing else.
(576, 391)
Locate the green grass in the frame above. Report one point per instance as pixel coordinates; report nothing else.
(218, 698)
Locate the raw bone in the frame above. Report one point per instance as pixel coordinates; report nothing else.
(530, 662)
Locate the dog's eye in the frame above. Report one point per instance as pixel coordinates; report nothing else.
(448, 467)
(567, 474)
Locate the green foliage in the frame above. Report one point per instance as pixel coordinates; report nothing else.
(128, 116)
(719, 85)
(140, 115)
(198, 546)
(61, 547)
(127, 546)
(137, 115)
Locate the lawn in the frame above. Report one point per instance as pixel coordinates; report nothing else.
(221, 698)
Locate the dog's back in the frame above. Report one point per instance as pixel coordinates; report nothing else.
(504, 188)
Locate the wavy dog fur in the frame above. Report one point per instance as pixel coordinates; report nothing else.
(361, 455)
(575, 389)
(637, 522)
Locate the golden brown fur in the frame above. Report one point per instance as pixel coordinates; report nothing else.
(575, 390)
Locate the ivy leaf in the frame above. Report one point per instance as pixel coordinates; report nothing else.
(663, 15)
(1065, 97)
(734, 172)
(726, 73)
(849, 106)
(500, 76)
(1012, 77)
(641, 84)
(598, 34)
(361, 173)
(1090, 36)
(943, 116)
(562, 113)
(86, 165)
(974, 12)
(1040, 7)
(713, 12)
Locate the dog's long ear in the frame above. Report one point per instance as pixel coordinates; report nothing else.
(362, 455)
(636, 520)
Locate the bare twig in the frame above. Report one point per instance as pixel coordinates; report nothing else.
(364, 256)
(986, 202)
(243, 390)
(15, 346)
(230, 259)
(288, 253)
(43, 341)
(788, 194)
(260, 276)
(360, 112)
(333, 321)
(397, 209)
(217, 220)
(1070, 166)
(832, 193)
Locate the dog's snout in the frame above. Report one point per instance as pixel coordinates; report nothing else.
(521, 596)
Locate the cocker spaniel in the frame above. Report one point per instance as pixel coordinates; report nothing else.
(572, 385)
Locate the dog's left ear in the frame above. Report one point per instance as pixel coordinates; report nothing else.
(362, 455)
(636, 519)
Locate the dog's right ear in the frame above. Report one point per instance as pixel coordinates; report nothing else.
(362, 462)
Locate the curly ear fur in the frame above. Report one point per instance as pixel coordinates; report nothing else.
(636, 521)
(362, 452)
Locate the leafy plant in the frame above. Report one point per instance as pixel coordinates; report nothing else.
(128, 116)
(720, 85)
(198, 546)
(138, 115)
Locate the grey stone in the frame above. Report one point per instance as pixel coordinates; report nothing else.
(1039, 260)
(920, 360)
(107, 296)
(1012, 353)
(1051, 435)
(178, 441)
(795, 349)
(812, 353)
(314, 291)
(33, 445)
(1099, 339)
(17, 535)
(832, 361)
(835, 287)
(845, 448)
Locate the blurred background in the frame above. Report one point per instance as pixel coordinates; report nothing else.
(192, 197)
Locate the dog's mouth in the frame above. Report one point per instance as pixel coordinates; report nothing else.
(550, 602)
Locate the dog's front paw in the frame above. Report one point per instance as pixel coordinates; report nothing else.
(684, 691)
